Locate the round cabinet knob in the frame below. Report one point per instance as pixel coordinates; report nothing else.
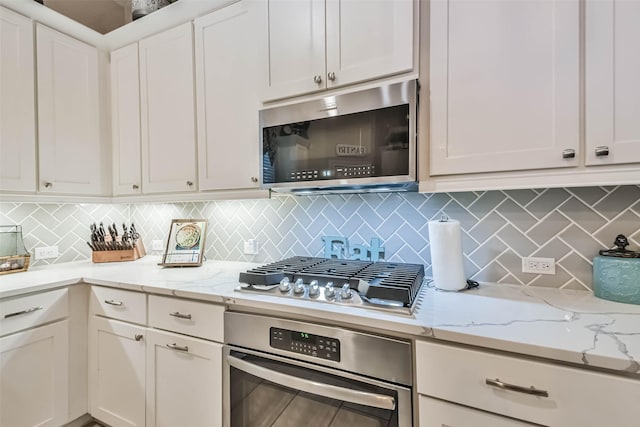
(345, 293)
(254, 179)
(331, 76)
(190, 183)
(602, 151)
(317, 79)
(284, 285)
(329, 290)
(314, 289)
(48, 184)
(298, 287)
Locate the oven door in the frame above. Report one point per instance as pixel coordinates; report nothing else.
(268, 390)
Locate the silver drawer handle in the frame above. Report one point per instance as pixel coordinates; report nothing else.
(112, 302)
(602, 151)
(569, 153)
(138, 337)
(506, 386)
(175, 346)
(180, 315)
(18, 313)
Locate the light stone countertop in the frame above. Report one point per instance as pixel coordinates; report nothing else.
(568, 326)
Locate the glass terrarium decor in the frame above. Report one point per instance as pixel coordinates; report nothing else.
(13, 255)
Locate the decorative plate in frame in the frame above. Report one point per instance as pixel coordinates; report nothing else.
(185, 245)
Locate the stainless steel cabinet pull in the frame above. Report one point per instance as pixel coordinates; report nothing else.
(568, 153)
(180, 315)
(135, 186)
(175, 346)
(317, 79)
(526, 390)
(331, 76)
(602, 151)
(373, 400)
(112, 302)
(18, 313)
(138, 337)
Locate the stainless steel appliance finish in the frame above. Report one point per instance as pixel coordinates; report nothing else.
(279, 372)
(363, 141)
(392, 287)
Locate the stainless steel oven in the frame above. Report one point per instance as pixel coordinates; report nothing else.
(280, 372)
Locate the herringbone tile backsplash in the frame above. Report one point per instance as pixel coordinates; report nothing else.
(499, 227)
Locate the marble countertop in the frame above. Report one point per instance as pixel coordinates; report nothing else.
(569, 326)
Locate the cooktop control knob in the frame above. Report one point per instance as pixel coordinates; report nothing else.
(314, 289)
(298, 287)
(329, 290)
(284, 285)
(345, 293)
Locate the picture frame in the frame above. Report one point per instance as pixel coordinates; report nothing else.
(185, 244)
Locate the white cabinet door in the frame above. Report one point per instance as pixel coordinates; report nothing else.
(318, 44)
(168, 111)
(438, 413)
(612, 82)
(184, 384)
(117, 372)
(229, 78)
(368, 39)
(68, 114)
(125, 120)
(17, 104)
(34, 381)
(504, 81)
(296, 38)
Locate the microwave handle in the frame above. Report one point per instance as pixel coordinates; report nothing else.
(320, 389)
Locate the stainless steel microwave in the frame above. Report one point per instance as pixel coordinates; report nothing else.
(363, 141)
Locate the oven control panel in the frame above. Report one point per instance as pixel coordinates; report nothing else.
(304, 343)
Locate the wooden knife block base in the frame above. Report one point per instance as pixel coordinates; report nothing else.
(121, 255)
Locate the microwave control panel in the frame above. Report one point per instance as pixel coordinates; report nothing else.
(304, 343)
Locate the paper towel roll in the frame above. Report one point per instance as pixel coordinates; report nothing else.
(446, 255)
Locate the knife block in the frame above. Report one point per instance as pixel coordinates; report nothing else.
(138, 251)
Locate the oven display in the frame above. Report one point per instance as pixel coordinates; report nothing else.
(305, 343)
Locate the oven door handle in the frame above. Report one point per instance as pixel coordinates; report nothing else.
(313, 387)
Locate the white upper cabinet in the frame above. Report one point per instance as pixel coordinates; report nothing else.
(229, 78)
(17, 104)
(168, 111)
(612, 77)
(505, 85)
(68, 115)
(319, 44)
(125, 120)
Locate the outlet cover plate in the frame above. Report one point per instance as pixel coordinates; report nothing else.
(537, 265)
(46, 252)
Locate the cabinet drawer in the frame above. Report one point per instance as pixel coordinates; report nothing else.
(193, 318)
(33, 310)
(118, 304)
(576, 397)
(438, 413)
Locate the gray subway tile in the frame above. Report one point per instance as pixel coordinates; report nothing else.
(588, 195)
(517, 241)
(490, 273)
(516, 215)
(486, 203)
(548, 228)
(580, 268)
(455, 211)
(554, 248)
(618, 200)
(581, 214)
(551, 280)
(547, 201)
(465, 198)
(487, 252)
(521, 196)
(628, 224)
(581, 242)
(487, 227)
(513, 264)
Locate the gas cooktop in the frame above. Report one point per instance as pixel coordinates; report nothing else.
(382, 285)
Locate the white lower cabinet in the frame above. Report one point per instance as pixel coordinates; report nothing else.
(522, 389)
(184, 381)
(117, 372)
(34, 386)
(438, 413)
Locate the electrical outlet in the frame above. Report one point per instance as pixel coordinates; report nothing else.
(251, 247)
(156, 245)
(538, 265)
(46, 252)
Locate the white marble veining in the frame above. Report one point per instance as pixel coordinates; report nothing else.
(570, 326)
